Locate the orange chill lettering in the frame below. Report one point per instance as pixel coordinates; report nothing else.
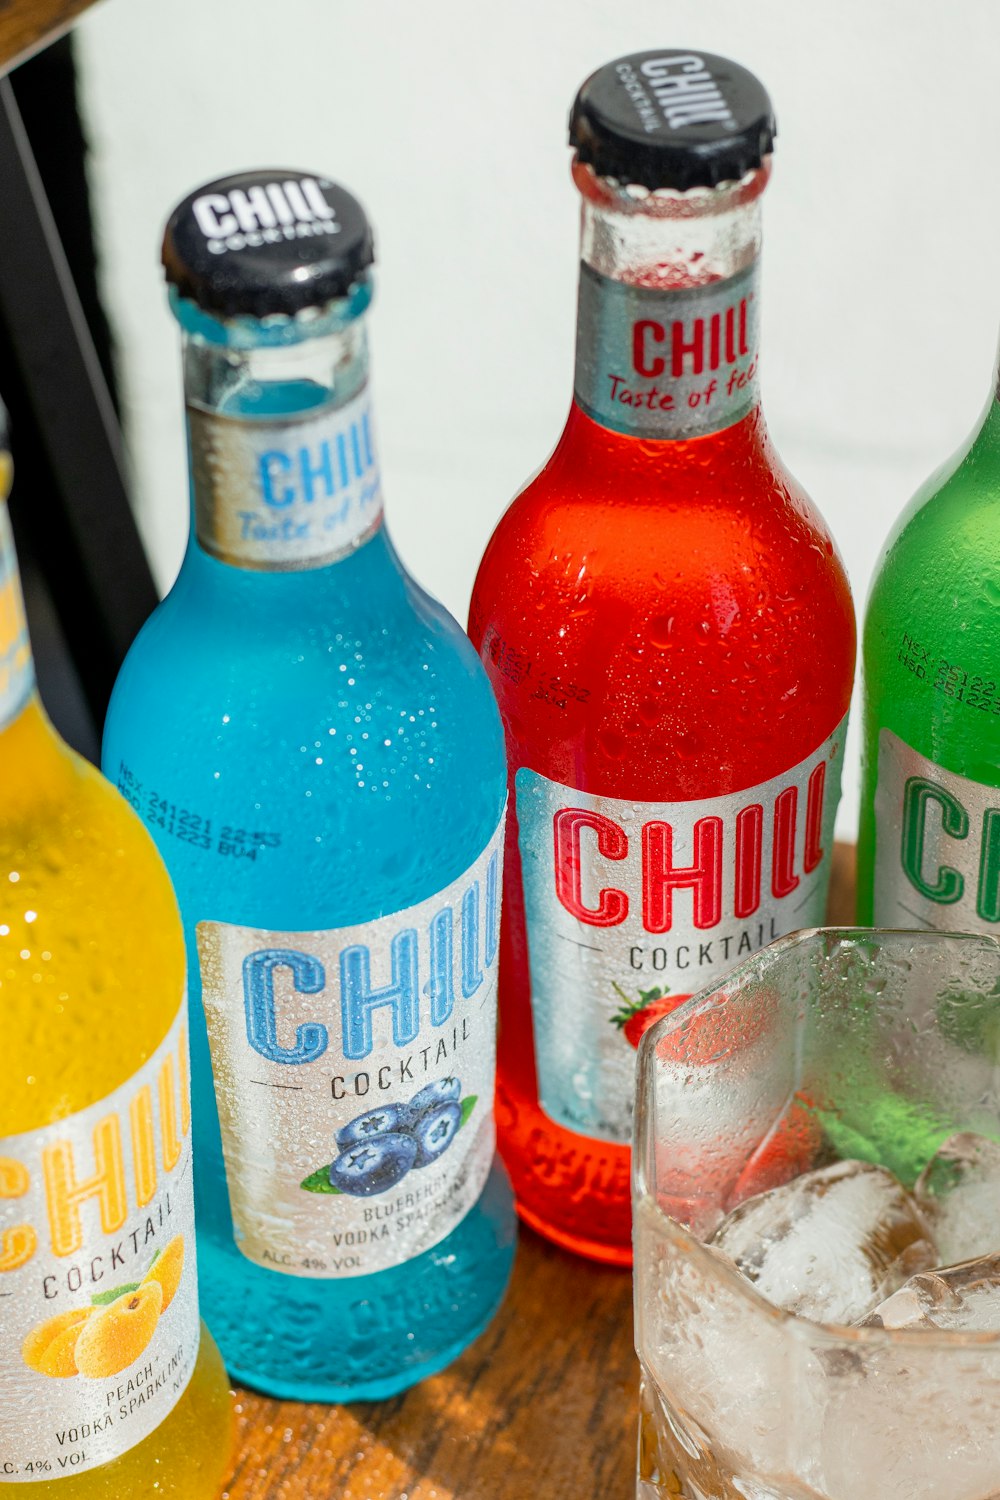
(64, 1193)
(143, 1145)
(19, 1244)
(172, 1137)
(182, 1058)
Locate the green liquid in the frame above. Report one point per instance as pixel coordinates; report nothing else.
(931, 645)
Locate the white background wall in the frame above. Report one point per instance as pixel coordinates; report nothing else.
(448, 119)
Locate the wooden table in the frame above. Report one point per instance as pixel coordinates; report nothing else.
(542, 1407)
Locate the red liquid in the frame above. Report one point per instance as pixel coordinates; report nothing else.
(694, 596)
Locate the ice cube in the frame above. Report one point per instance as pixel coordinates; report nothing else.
(963, 1299)
(736, 1389)
(914, 1423)
(910, 1419)
(959, 1195)
(830, 1245)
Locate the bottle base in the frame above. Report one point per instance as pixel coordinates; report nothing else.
(186, 1458)
(362, 1338)
(571, 1189)
(372, 1390)
(597, 1250)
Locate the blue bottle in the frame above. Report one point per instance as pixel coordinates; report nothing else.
(315, 747)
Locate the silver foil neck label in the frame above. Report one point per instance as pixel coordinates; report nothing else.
(669, 364)
(293, 493)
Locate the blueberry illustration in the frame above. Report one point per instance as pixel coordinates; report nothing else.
(434, 1132)
(375, 1165)
(373, 1122)
(443, 1091)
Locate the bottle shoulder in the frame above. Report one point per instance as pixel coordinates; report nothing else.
(932, 623)
(367, 598)
(193, 658)
(319, 767)
(941, 561)
(683, 635)
(91, 950)
(703, 546)
(657, 497)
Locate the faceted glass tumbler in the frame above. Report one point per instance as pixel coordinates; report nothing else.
(832, 1043)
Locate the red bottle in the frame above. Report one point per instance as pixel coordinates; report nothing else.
(669, 632)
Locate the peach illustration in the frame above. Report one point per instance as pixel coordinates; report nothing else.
(51, 1347)
(116, 1335)
(166, 1269)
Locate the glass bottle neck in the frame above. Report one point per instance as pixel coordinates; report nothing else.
(17, 668)
(284, 470)
(669, 307)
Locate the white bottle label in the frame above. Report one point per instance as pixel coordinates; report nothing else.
(17, 672)
(285, 494)
(98, 1286)
(354, 1072)
(633, 906)
(937, 844)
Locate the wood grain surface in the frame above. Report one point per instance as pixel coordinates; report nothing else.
(542, 1407)
(26, 25)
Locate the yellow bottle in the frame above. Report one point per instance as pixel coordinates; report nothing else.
(109, 1387)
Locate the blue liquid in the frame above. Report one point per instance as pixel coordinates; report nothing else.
(225, 709)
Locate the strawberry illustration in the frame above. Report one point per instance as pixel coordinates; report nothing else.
(634, 1017)
(707, 1038)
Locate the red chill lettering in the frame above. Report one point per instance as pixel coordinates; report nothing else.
(715, 330)
(646, 330)
(730, 335)
(660, 878)
(749, 846)
(680, 348)
(612, 843)
(814, 819)
(783, 876)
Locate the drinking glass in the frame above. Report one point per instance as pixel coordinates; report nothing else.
(829, 1044)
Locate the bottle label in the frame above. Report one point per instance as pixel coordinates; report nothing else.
(284, 495)
(669, 364)
(17, 671)
(354, 1073)
(633, 906)
(937, 844)
(98, 1286)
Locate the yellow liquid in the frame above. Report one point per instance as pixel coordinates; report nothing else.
(91, 973)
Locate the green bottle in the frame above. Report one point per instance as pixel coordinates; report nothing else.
(929, 843)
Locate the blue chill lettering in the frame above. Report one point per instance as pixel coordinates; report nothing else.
(316, 473)
(492, 908)
(358, 999)
(322, 468)
(472, 974)
(441, 987)
(308, 977)
(267, 463)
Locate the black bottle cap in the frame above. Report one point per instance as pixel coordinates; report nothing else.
(265, 242)
(672, 119)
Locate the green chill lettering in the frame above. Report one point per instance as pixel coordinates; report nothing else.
(945, 884)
